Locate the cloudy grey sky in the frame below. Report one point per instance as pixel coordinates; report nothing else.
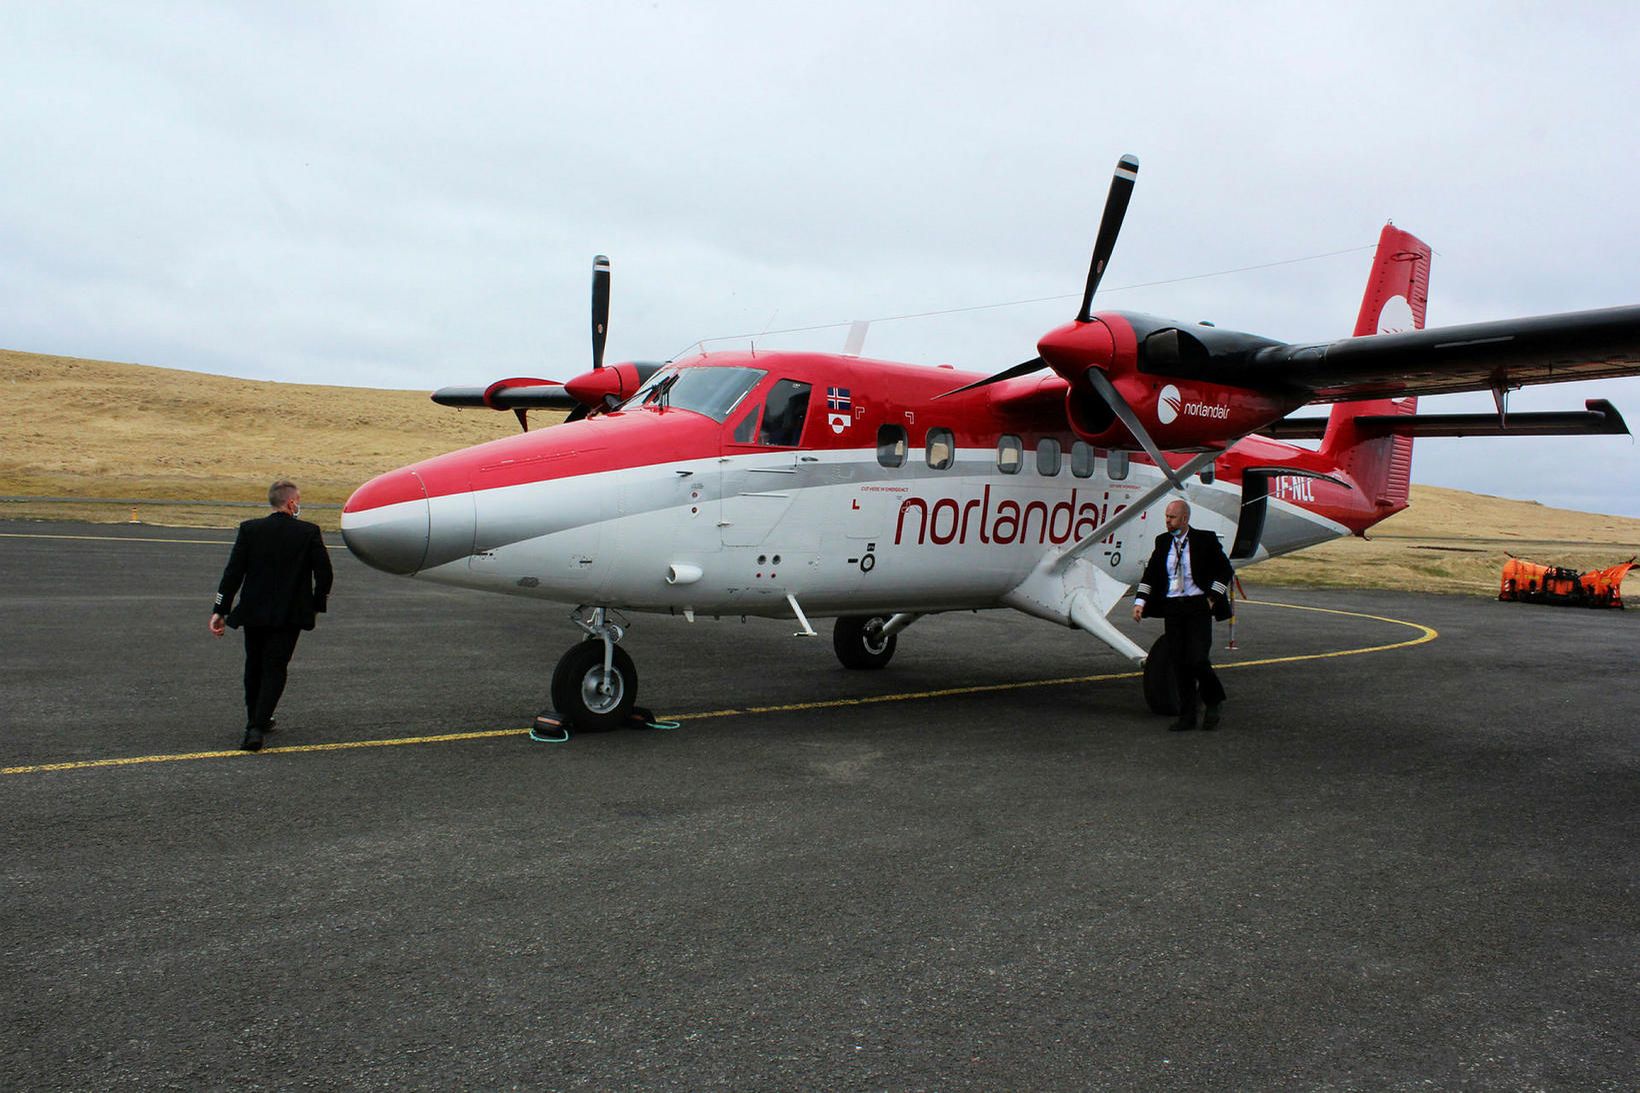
(409, 195)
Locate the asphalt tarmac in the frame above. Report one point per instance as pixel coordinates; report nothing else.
(986, 867)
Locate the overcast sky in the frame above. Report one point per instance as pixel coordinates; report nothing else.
(410, 195)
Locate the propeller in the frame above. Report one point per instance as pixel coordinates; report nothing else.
(1024, 368)
(600, 327)
(600, 308)
(523, 395)
(1110, 226)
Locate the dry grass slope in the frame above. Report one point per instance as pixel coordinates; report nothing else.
(81, 428)
(85, 428)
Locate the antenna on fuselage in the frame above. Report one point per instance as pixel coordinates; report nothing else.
(856, 340)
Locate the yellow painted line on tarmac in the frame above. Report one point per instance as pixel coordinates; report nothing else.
(138, 760)
(1425, 634)
(129, 539)
(113, 538)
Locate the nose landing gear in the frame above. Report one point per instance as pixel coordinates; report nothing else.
(595, 685)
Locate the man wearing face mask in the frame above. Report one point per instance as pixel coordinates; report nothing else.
(281, 572)
(1189, 566)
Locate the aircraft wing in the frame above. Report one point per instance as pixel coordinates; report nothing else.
(1582, 345)
(1597, 418)
(513, 394)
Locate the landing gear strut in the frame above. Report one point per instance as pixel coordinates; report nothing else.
(595, 684)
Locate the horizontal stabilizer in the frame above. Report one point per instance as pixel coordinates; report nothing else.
(1598, 418)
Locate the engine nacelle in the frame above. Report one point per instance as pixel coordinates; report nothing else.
(1156, 367)
(1179, 414)
(620, 380)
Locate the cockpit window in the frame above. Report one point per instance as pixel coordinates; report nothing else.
(784, 413)
(707, 390)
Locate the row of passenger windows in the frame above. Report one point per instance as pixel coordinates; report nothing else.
(893, 444)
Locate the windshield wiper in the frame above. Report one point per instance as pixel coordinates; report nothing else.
(661, 396)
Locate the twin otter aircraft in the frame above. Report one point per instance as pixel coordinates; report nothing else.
(810, 485)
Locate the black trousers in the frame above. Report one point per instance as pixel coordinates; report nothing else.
(268, 651)
(1189, 631)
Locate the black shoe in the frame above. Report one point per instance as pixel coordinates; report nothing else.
(1210, 719)
(270, 725)
(1181, 725)
(252, 741)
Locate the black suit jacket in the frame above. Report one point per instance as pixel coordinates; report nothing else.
(281, 572)
(1209, 568)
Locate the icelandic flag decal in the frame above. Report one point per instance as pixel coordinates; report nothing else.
(838, 408)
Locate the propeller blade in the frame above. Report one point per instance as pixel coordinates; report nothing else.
(600, 308)
(1124, 413)
(1024, 368)
(1116, 203)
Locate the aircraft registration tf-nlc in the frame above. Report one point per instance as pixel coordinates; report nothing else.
(808, 485)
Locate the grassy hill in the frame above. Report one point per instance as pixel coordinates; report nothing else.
(81, 428)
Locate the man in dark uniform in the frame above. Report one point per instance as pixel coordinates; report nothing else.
(1189, 566)
(282, 567)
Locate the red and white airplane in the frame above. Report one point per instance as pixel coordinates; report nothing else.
(812, 485)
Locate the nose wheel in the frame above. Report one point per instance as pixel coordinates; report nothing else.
(595, 685)
(589, 696)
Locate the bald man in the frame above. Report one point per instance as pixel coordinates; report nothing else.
(1189, 568)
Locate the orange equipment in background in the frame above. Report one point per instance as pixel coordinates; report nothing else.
(1529, 582)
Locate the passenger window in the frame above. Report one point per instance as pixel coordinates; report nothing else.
(942, 449)
(784, 412)
(891, 446)
(1082, 459)
(1010, 454)
(1047, 457)
(1207, 473)
(1117, 464)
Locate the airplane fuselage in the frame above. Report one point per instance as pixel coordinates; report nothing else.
(886, 499)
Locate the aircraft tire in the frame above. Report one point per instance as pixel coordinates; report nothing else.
(575, 688)
(1161, 692)
(855, 649)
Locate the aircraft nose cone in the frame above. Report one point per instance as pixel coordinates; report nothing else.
(386, 523)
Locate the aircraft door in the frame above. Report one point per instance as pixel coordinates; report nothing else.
(1255, 503)
(760, 465)
(874, 498)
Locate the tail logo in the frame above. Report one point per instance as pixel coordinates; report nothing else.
(1396, 316)
(1168, 405)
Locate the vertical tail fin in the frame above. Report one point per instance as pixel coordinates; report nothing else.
(1397, 293)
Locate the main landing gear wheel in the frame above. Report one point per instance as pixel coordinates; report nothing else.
(1161, 690)
(588, 698)
(860, 643)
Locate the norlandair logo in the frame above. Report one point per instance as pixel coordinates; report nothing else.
(1170, 406)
